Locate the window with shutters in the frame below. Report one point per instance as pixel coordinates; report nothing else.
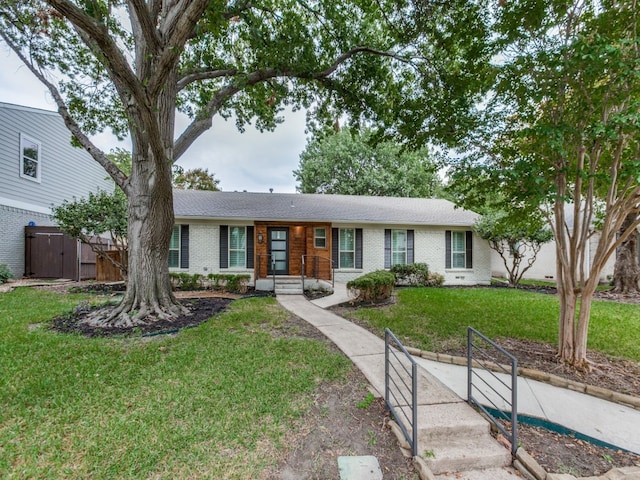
(458, 250)
(174, 248)
(237, 247)
(347, 243)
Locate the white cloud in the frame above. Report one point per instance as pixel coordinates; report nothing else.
(251, 161)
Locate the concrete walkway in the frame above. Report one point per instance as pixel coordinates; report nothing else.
(609, 422)
(452, 437)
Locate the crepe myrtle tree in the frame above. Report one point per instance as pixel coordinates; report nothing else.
(561, 136)
(130, 66)
(516, 239)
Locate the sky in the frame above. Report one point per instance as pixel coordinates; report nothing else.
(250, 161)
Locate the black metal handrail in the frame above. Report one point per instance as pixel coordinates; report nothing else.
(395, 375)
(485, 359)
(316, 266)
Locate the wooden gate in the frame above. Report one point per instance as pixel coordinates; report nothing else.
(49, 253)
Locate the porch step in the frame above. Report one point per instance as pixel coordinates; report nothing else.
(288, 286)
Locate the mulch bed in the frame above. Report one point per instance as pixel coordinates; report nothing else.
(201, 309)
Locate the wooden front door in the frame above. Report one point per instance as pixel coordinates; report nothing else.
(279, 250)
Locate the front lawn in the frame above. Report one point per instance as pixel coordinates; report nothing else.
(210, 402)
(437, 318)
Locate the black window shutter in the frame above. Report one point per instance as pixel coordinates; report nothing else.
(447, 258)
(358, 248)
(387, 248)
(224, 246)
(184, 246)
(469, 248)
(250, 247)
(410, 249)
(335, 247)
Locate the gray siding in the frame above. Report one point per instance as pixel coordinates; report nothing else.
(66, 172)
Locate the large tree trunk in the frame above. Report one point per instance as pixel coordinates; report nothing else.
(149, 296)
(150, 214)
(626, 272)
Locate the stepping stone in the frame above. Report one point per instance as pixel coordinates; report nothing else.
(359, 468)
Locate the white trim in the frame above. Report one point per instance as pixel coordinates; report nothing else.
(243, 249)
(24, 206)
(24, 138)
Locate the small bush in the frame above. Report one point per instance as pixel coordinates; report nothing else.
(226, 282)
(435, 280)
(372, 287)
(5, 274)
(414, 274)
(186, 281)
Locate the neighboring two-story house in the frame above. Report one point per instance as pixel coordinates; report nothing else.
(39, 168)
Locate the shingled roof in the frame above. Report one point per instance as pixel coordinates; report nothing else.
(319, 208)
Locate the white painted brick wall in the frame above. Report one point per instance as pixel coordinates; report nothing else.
(429, 248)
(204, 251)
(204, 257)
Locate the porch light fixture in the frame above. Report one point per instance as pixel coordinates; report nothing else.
(260, 238)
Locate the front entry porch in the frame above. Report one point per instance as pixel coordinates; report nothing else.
(290, 255)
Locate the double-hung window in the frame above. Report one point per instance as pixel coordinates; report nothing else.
(458, 250)
(347, 243)
(30, 163)
(398, 247)
(174, 248)
(320, 238)
(237, 247)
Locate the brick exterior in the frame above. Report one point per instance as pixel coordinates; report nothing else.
(204, 248)
(12, 223)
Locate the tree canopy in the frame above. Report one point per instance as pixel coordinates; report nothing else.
(348, 164)
(194, 179)
(560, 134)
(404, 66)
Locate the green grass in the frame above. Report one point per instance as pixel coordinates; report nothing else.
(211, 402)
(437, 318)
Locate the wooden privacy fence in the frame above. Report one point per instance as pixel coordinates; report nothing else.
(106, 271)
(49, 253)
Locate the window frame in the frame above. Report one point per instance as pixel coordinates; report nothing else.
(23, 139)
(242, 251)
(394, 250)
(176, 228)
(341, 251)
(316, 237)
(459, 253)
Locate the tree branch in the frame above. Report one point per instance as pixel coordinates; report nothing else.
(111, 56)
(204, 121)
(146, 22)
(195, 76)
(175, 31)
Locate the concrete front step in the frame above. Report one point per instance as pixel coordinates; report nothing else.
(487, 474)
(440, 423)
(289, 291)
(288, 286)
(463, 454)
